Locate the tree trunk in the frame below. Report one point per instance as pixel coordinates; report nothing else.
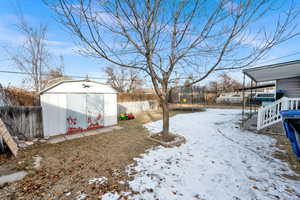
(165, 108)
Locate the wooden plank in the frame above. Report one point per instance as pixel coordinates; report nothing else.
(8, 139)
(1, 144)
(32, 124)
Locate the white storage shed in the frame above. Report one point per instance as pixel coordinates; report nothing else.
(76, 106)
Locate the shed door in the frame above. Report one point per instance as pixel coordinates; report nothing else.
(95, 111)
(76, 113)
(84, 112)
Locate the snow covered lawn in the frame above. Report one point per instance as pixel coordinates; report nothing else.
(218, 161)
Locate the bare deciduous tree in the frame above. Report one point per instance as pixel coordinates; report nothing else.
(170, 39)
(4, 100)
(123, 80)
(55, 75)
(225, 83)
(32, 56)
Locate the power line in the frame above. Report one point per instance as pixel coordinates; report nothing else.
(105, 78)
(66, 75)
(46, 74)
(296, 53)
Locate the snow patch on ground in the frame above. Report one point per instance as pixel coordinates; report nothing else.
(110, 196)
(218, 161)
(100, 180)
(12, 177)
(37, 162)
(68, 194)
(81, 197)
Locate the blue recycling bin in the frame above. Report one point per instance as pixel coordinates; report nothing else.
(291, 124)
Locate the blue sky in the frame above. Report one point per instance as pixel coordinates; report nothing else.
(60, 42)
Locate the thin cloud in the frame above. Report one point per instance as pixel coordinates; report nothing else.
(10, 37)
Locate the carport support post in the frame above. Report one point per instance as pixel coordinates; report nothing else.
(192, 98)
(250, 98)
(243, 111)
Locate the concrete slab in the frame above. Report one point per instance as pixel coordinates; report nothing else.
(90, 133)
(117, 127)
(74, 136)
(57, 140)
(84, 134)
(12, 177)
(251, 123)
(98, 131)
(105, 130)
(37, 162)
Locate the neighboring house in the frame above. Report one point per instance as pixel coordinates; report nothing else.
(287, 83)
(286, 76)
(76, 106)
(258, 97)
(230, 98)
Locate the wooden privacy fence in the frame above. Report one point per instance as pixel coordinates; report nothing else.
(132, 97)
(26, 121)
(23, 121)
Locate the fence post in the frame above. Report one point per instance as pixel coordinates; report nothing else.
(23, 121)
(285, 103)
(259, 118)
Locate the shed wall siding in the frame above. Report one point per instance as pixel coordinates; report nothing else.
(110, 109)
(73, 106)
(290, 85)
(54, 114)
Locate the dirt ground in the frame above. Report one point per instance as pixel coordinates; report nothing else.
(288, 156)
(67, 167)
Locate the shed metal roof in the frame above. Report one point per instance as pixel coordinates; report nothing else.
(274, 71)
(79, 86)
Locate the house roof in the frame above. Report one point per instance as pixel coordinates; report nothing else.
(79, 86)
(274, 71)
(257, 87)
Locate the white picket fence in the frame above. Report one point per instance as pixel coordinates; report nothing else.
(270, 114)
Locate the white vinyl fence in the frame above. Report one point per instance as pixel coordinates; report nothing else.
(136, 106)
(270, 114)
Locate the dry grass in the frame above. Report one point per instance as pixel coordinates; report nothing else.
(168, 138)
(284, 144)
(67, 166)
